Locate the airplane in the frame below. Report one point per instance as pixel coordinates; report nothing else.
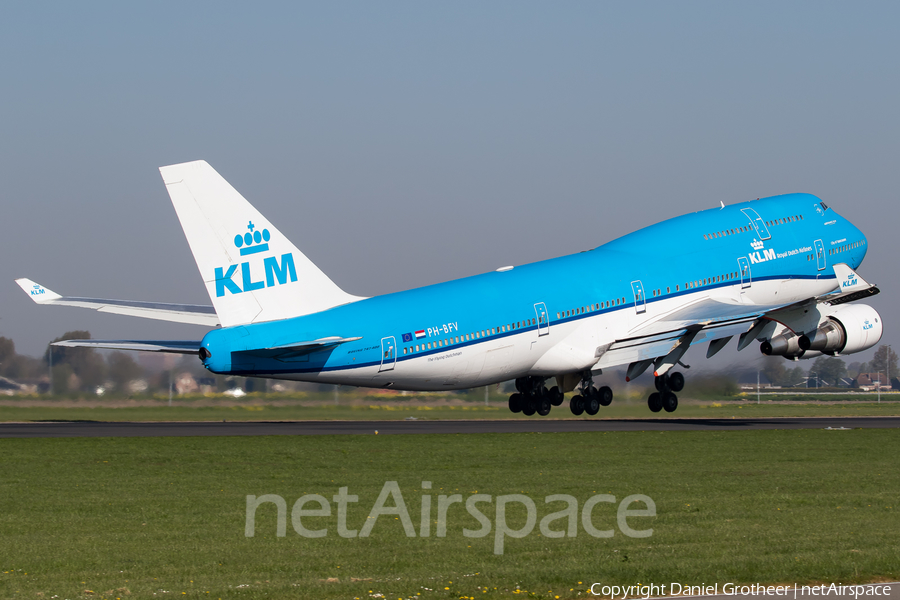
(779, 270)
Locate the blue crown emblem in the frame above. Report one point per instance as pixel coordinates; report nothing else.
(253, 236)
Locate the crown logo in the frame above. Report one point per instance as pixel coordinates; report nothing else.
(757, 245)
(253, 236)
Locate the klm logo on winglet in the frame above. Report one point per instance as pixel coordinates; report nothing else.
(37, 290)
(850, 281)
(756, 257)
(276, 273)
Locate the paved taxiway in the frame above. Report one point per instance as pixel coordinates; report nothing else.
(213, 428)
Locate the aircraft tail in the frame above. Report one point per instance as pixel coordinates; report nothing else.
(251, 271)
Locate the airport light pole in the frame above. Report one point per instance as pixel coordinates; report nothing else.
(50, 360)
(879, 387)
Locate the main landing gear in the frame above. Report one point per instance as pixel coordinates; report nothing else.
(591, 399)
(533, 397)
(664, 397)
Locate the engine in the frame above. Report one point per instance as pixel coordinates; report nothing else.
(845, 329)
(849, 328)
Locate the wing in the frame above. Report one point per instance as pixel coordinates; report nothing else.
(297, 351)
(179, 313)
(662, 341)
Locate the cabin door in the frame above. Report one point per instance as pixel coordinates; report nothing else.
(744, 267)
(640, 299)
(758, 224)
(543, 320)
(820, 254)
(388, 354)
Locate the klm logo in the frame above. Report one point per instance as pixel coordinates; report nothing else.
(275, 272)
(756, 257)
(37, 291)
(851, 281)
(866, 325)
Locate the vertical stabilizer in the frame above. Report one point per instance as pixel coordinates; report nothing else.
(251, 271)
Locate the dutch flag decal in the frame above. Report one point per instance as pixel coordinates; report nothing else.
(420, 334)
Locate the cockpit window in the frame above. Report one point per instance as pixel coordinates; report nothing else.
(824, 206)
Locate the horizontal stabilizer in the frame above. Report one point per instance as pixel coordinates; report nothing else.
(300, 348)
(196, 314)
(174, 347)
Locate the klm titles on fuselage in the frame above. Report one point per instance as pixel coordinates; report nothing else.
(755, 257)
(276, 273)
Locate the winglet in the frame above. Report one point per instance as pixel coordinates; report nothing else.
(849, 280)
(38, 293)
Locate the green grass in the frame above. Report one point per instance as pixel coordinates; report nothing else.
(141, 515)
(266, 410)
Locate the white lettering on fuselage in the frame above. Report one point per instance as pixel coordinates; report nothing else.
(444, 329)
(770, 254)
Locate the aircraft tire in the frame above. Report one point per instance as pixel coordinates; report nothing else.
(592, 403)
(606, 395)
(655, 402)
(544, 406)
(670, 401)
(556, 397)
(576, 405)
(676, 382)
(660, 383)
(529, 406)
(515, 403)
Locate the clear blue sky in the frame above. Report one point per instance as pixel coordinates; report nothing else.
(401, 144)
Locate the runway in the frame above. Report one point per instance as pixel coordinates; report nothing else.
(38, 429)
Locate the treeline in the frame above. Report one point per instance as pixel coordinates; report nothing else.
(83, 370)
(828, 370)
(67, 370)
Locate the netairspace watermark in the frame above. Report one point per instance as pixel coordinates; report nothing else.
(645, 592)
(476, 505)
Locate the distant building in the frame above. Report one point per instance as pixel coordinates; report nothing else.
(871, 381)
(747, 381)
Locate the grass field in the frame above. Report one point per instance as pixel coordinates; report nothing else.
(165, 517)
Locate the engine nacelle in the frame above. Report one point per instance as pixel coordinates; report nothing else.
(848, 328)
(786, 344)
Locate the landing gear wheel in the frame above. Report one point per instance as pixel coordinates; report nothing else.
(670, 401)
(660, 382)
(605, 395)
(515, 403)
(544, 406)
(655, 402)
(576, 405)
(592, 403)
(529, 407)
(556, 397)
(676, 382)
